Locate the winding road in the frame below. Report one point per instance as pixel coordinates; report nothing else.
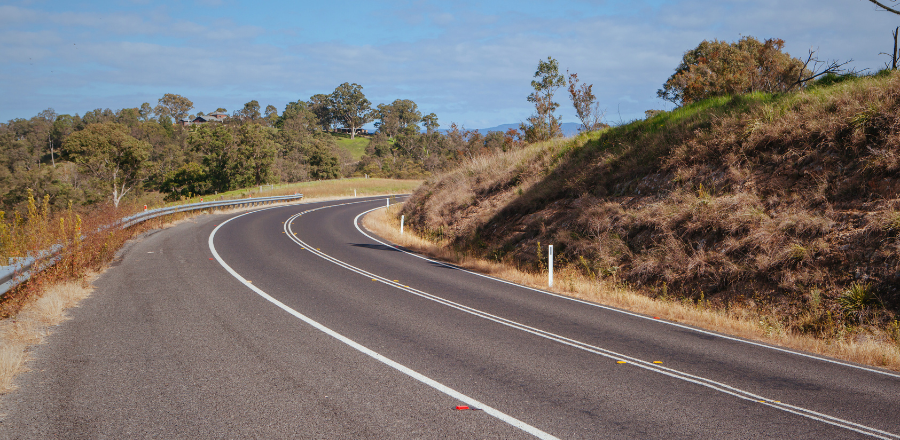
(296, 322)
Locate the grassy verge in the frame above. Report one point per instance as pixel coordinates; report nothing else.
(317, 189)
(737, 321)
(28, 312)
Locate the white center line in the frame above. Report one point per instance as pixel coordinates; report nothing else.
(401, 368)
(718, 386)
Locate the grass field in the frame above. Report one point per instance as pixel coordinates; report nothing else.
(356, 147)
(321, 188)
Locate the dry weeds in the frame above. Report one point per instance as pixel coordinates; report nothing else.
(770, 205)
(45, 305)
(33, 323)
(736, 321)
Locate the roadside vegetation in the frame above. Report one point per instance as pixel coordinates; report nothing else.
(28, 312)
(572, 281)
(356, 147)
(778, 209)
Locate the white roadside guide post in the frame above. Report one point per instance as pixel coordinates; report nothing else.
(354, 192)
(402, 219)
(550, 259)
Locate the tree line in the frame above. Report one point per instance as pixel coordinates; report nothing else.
(106, 156)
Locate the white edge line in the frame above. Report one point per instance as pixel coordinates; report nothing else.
(717, 386)
(403, 369)
(613, 309)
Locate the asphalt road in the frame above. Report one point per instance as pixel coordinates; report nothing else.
(272, 324)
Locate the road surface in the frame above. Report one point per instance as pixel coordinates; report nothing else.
(295, 322)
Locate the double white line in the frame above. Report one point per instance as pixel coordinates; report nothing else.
(459, 397)
(619, 357)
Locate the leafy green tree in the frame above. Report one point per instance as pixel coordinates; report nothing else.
(271, 115)
(351, 108)
(400, 116)
(323, 163)
(323, 107)
(250, 112)
(256, 154)
(173, 106)
(430, 121)
(215, 144)
(146, 112)
(108, 153)
(718, 68)
(129, 116)
(544, 124)
(234, 156)
(189, 179)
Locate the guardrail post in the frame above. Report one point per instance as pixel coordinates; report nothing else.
(402, 218)
(550, 263)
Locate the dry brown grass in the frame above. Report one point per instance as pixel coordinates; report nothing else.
(770, 205)
(32, 324)
(736, 321)
(39, 306)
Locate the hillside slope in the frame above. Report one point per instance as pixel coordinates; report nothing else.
(784, 203)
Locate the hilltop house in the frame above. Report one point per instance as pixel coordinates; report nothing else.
(212, 117)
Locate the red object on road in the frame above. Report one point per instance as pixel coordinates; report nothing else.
(462, 407)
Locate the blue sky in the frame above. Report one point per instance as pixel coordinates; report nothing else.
(468, 62)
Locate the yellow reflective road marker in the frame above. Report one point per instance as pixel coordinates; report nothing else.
(621, 362)
(657, 362)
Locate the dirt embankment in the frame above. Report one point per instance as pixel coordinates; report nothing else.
(787, 204)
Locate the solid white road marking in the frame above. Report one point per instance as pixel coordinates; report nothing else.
(624, 312)
(718, 386)
(401, 368)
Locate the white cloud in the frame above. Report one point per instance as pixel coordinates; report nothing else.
(472, 65)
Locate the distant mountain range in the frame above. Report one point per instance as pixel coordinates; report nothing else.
(569, 128)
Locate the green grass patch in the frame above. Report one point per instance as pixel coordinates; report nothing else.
(321, 188)
(356, 147)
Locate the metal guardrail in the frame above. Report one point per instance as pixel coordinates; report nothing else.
(21, 269)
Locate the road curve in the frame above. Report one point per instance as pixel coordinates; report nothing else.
(292, 322)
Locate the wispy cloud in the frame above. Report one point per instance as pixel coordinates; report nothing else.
(471, 63)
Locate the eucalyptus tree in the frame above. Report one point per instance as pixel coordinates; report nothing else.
(351, 108)
(173, 106)
(544, 124)
(110, 155)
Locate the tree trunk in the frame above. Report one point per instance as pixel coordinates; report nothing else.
(894, 53)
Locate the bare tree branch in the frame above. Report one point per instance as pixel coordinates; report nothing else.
(833, 66)
(885, 7)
